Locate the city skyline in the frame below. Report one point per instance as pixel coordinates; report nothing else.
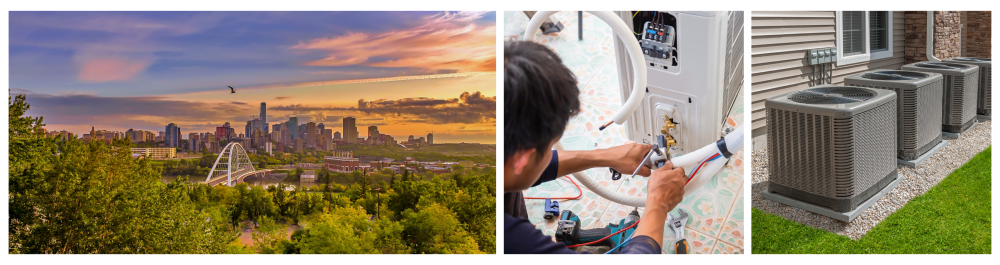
(144, 70)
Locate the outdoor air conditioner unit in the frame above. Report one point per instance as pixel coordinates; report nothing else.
(961, 85)
(694, 66)
(918, 97)
(829, 146)
(983, 104)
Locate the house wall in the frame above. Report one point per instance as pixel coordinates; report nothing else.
(947, 35)
(977, 34)
(779, 42)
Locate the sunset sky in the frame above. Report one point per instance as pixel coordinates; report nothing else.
(406, 72)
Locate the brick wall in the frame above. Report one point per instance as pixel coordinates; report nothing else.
(977, 34)
(947, 35)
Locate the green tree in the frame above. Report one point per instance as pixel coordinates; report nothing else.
(269, 236)
(343, 230)
(435, 229)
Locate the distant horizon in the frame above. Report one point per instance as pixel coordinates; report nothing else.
(405, 72)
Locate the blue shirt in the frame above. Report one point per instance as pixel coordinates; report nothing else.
(521, 237)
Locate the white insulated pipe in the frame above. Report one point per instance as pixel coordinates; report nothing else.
(733, 143)
(623, 32)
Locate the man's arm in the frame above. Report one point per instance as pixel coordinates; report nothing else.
(521, 237)
(665, 191)
(624, 159)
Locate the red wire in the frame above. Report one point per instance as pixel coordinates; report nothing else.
(602, 239)
(561, 198)
(693, 173)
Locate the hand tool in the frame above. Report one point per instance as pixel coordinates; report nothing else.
(677, 225)
(569, 231)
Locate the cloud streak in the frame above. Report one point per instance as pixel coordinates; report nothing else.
(446, 41)
(469, 108)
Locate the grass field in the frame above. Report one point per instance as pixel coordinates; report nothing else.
(952, 217)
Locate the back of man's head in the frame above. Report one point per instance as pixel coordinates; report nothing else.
(540, 95)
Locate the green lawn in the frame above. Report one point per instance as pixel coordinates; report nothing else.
(952, 217)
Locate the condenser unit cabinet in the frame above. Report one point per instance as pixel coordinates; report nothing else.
(918, 102)
(829, 145)
(961, 88)
(983, 104)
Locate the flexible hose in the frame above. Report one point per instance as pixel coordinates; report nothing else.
(733, 143)
(622, 31)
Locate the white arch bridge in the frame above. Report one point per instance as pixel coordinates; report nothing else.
(232, 166)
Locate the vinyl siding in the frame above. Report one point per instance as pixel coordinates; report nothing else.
(779, 42)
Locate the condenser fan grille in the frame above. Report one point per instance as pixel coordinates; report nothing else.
(943, 65)
(971, 59)
(832, 95)
(894, 75)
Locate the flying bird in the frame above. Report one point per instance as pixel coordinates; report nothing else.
(232, 89)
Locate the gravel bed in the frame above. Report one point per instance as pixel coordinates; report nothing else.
(916, 181)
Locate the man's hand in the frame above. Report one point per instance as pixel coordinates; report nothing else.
(665, 191)
(665, 188)
(625, 158)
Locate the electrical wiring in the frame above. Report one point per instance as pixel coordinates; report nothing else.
(695, 172)
(561, 198)
(622, 244)
(633, 17)
(603, 238)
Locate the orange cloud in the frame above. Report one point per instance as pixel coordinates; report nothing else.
(447, 41)
(98, 70)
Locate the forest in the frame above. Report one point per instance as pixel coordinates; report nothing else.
(79, 197)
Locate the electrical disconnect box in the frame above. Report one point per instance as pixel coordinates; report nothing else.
(821, 56)
(694, 66)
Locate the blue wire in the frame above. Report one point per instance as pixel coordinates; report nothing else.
(622, 244)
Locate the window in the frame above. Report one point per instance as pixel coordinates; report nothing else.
(863, 36)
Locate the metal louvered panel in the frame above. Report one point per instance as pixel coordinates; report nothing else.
(985, 86)
(969, 102)
(875, 151)
(928, 116)
(734, 62)
(801, 152)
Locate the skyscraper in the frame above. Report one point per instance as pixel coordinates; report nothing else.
(336, 135)
(373, 135)
(350, 130)
(293, 127)
(263, 117)
(311, 133)
(172, 136)
(430, 138)
(321, 127)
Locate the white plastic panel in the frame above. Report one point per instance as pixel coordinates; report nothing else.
(695, 89)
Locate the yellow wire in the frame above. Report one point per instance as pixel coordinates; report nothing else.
(633, 17)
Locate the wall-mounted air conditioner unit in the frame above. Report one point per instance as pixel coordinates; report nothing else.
(961, 88)
(983, 104)
(694, 66)
(829, 146)
(918, 99)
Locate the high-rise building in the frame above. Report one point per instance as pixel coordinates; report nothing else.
(263, 117)
(311, 133)
(286, 137)
(350, 130)
(373, 135)
(293, 127)
(298, 145)
(276, 128)
(410, 140)
(247, 129)
(193, 139)
(336, 135)
(321, 127)
(430, 138)
(172, 137)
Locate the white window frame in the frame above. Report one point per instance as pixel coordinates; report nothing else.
(868, 55)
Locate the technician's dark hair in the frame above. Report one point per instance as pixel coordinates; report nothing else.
(540, 95)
